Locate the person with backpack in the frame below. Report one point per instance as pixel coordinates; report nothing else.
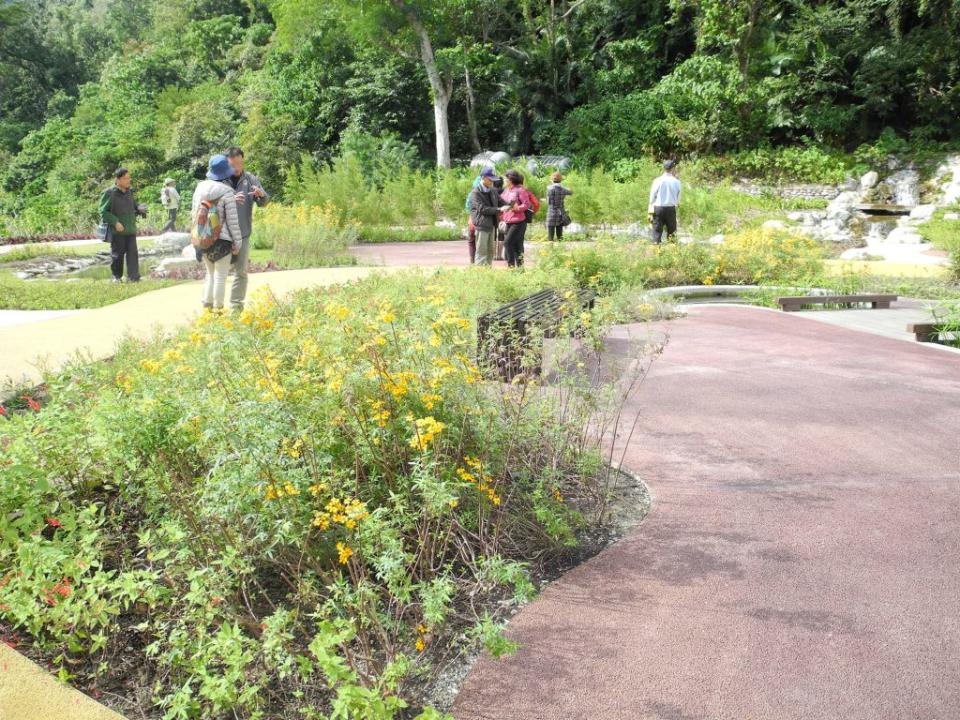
(557, 218)
(215, 229)
(664, 198)
(248, 192)
(523, 204)
(118, 212)
(170, 199)
(485, 208)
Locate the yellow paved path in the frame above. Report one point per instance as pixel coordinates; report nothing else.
(26, 351)
(29, 693)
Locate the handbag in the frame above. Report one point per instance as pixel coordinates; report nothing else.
(502, 227)
(528, 213)
(105, 232)
(564, 218)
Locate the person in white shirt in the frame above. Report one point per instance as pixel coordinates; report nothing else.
(664, 198)
(170, 199)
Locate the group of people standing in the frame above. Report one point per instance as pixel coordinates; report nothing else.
(500, 210)
(229, 191)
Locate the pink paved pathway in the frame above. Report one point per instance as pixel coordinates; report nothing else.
(448, 252)
(802, 555)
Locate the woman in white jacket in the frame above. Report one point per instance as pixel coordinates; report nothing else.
(216, 258)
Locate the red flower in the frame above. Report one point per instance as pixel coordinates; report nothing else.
(3, 411)
(31, 403)
(53, 522)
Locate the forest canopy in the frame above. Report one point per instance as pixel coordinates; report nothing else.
(87, 85)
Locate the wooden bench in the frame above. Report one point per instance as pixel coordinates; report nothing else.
(505, 336)
(793, 304)
(924, 332)
(933, 332)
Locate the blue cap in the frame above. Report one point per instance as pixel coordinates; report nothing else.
(488, 172)
(219, 168)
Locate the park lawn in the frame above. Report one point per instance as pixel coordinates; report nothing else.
(17, 294)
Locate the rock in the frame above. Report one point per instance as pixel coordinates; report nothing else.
(575, 228)
(842, 203)
(635, 229)
(172, 241)
(951, 216)
(841, 216)
(923, 212)
(499, 157)
(716, 239)
(796, 216)
(450, 224)
(869, 180)
(904, 236)
(174, 263)
(774, 225)
(189, 252)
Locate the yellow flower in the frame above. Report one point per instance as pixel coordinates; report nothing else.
(421, 645)
(151, 366)
(321, 520)
(426, 430)
(124, 382)
(344, 552)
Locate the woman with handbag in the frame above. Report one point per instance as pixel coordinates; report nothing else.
(215, 229)
(557, 218)
(523, 204)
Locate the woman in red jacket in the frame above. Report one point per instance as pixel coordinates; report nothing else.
(523, 204)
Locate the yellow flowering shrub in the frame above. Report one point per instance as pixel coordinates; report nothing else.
(308, 478)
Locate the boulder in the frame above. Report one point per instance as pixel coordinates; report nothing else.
(842, 203)
(951, 216)
(174, 263)
(774, 225)
(499, 157)
(923, 212)
(172, 241)
(449, 224)
(189, 252)
(869, 180)
(716, 239)
(575, 228)
(904, 236)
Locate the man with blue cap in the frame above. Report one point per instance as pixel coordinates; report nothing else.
(485, 214)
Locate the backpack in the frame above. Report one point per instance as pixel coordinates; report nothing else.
(206, 226)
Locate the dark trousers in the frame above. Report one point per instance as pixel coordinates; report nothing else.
(125, 246)
(472, 242)
(513, 243)
(554, 230)
(664, 218)
(171, 222)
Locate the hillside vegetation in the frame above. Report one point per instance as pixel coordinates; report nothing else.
(87, 85)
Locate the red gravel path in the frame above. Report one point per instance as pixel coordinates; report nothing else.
(802, 555)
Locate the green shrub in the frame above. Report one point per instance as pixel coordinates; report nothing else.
(944, 235)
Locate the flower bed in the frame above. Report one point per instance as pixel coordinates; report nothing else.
(302, 510)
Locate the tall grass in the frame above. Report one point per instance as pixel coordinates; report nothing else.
(601, 197)
(305, 235)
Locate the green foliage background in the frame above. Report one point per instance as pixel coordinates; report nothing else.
(87, 85)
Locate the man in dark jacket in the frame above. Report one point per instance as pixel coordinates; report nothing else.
(119, 210)
(249, 192)
(485, 213)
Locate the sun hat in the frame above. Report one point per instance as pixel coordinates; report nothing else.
(169, 181)
(219, 168)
